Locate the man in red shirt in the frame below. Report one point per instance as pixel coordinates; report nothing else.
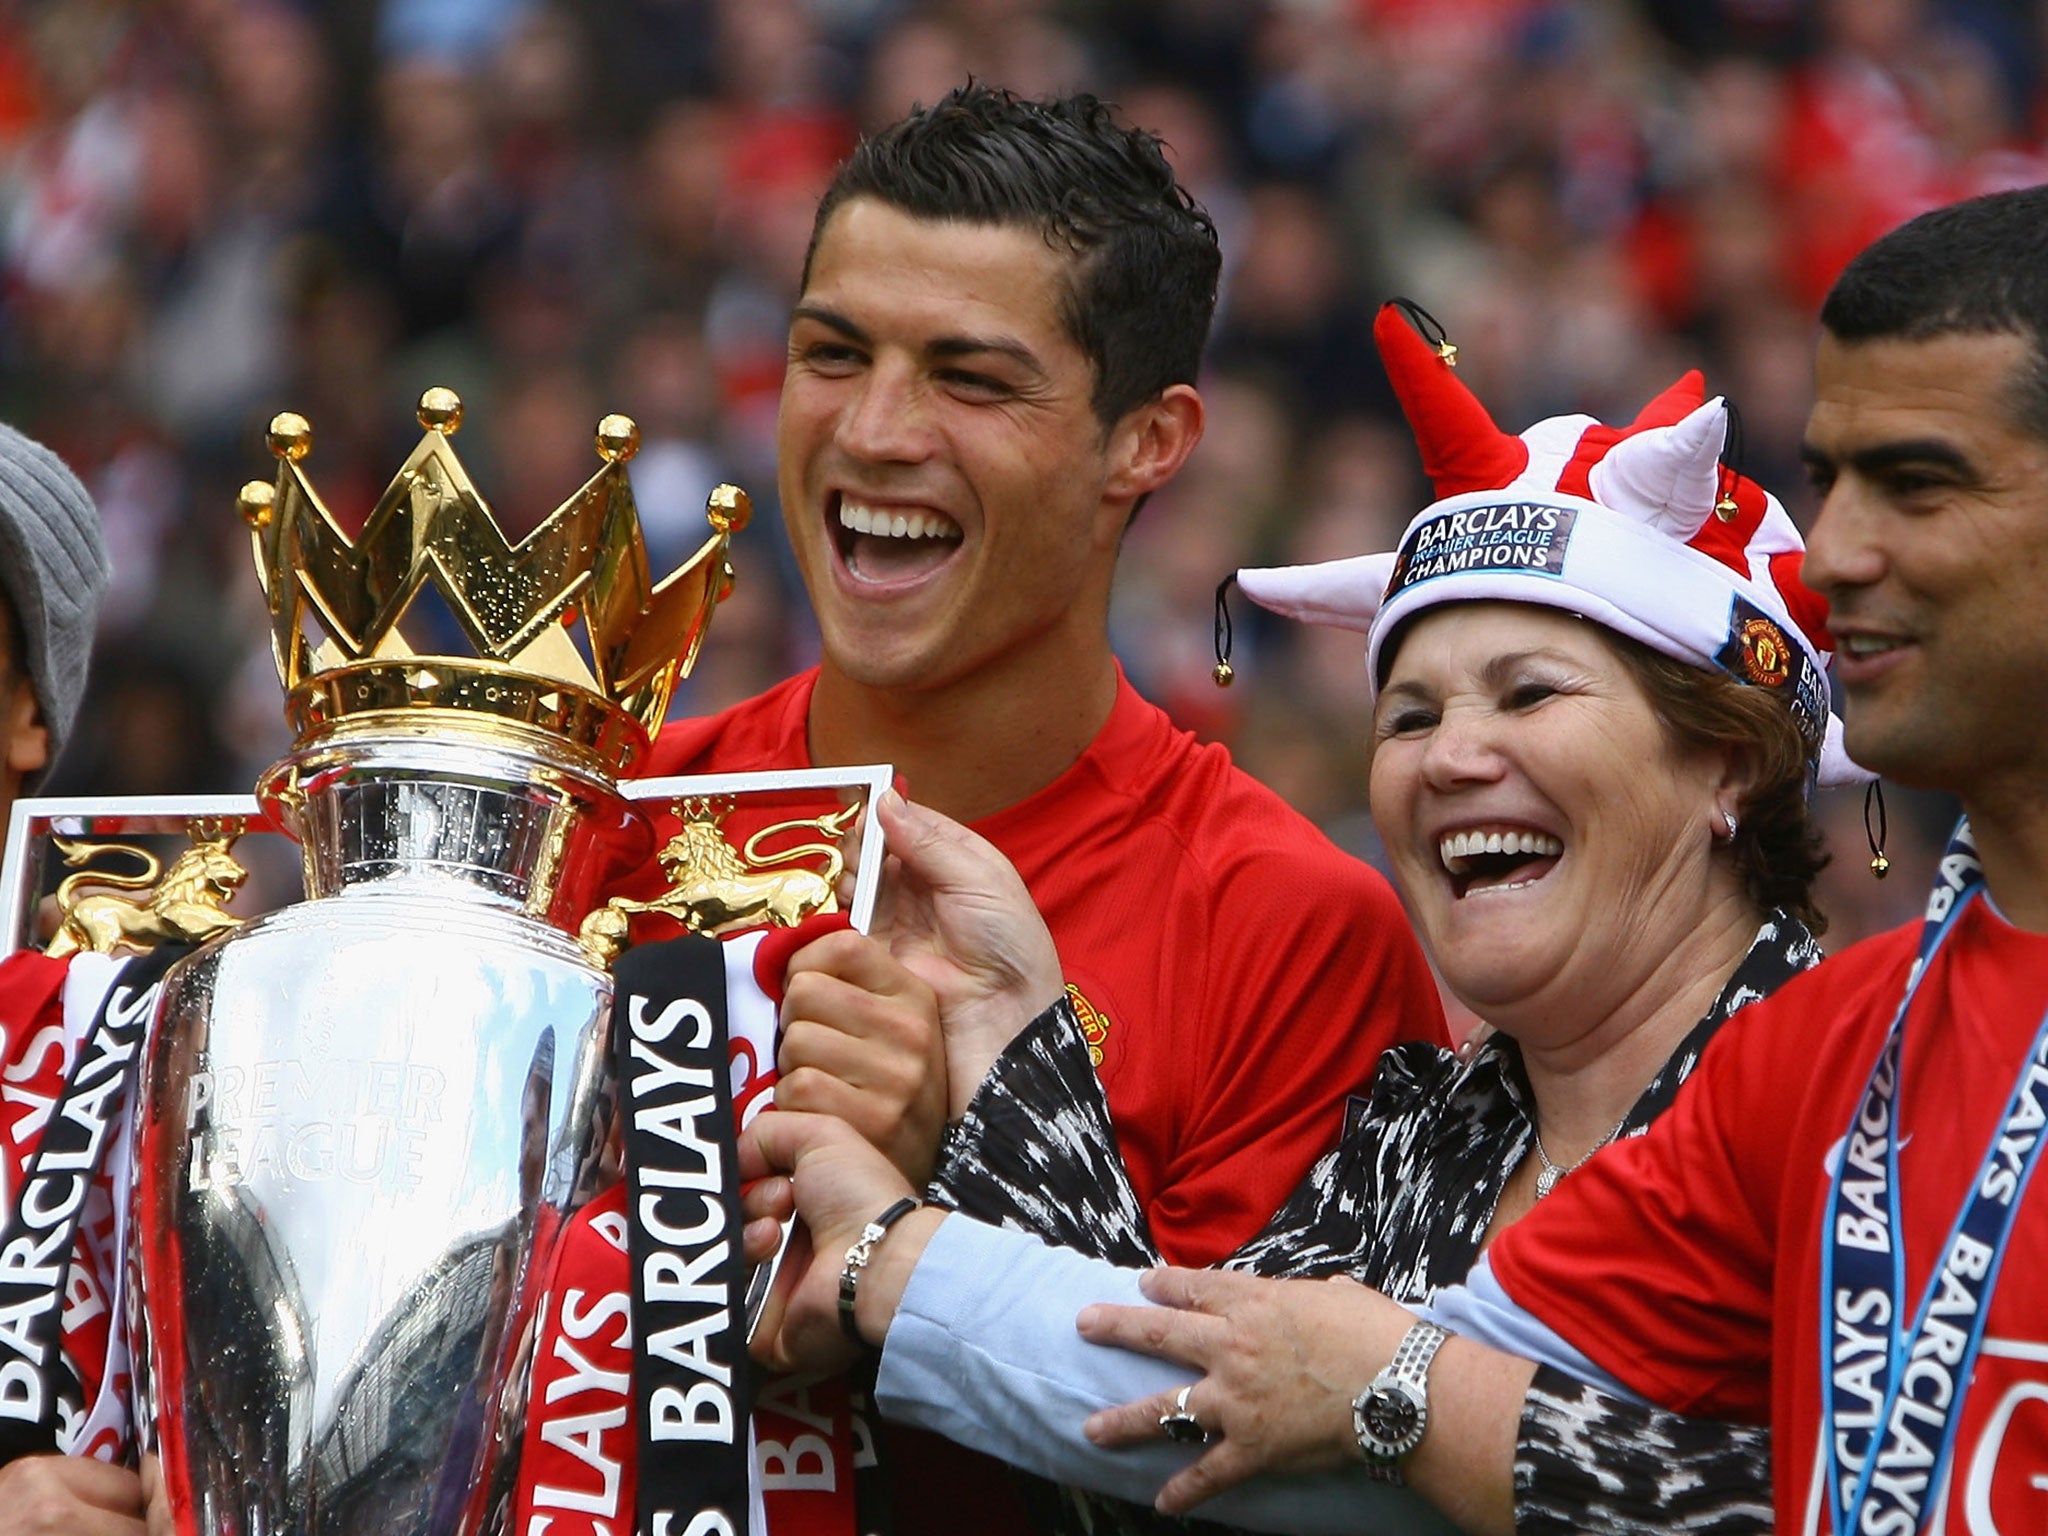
(1834, 1230)
(991, 364)
(988, 371)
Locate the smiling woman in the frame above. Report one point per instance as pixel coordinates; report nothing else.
(1590, 769)
(1600, 703)
(1507, 724)
(1554, 798)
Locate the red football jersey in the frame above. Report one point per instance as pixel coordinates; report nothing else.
(1688, 1262)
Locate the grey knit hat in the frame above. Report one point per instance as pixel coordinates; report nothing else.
(53, 570)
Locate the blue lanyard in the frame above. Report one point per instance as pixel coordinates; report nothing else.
(1893, 1385)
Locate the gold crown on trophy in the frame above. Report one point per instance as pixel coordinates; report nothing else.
(353, 638)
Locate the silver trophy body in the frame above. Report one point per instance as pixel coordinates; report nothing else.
(364, 1119)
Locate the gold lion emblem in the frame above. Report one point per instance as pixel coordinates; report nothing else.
(186, 902)
(715, 888)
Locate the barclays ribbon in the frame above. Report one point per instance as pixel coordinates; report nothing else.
(691, 1381)
(39, 1391)
(1894, 1383)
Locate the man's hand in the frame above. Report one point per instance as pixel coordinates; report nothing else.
(861, 1040)
(956, 913)
(69, 1496)
(839, 1183)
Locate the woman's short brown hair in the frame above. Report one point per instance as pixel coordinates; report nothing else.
(1778, 849)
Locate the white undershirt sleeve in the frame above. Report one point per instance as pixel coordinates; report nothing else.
(1481, 1310)
(983, 1350)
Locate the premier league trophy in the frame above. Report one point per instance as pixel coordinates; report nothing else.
(364, 1117)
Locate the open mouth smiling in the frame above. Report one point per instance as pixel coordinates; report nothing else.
(880, 544)
(1483, 859)
(1862, 647)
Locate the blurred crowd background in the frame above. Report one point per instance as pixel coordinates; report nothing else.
(211, 210)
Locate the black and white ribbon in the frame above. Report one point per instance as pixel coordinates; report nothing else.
(691, 1384)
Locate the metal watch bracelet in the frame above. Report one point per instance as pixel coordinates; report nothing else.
(857, 1256)
(1389, 1416)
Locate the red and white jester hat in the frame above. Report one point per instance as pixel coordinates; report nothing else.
(1639, 528)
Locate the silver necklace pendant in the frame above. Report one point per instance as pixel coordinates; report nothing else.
(1550, 1172)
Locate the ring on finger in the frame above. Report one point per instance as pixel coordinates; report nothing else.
(1180, 1425)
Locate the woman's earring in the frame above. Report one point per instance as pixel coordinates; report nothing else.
(1733, 825)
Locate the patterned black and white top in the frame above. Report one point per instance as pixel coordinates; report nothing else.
(1402, 1204)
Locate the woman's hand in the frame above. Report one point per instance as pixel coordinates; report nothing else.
(893, 1032)
(955, 912)
(1284, 1360)
(837, 1183)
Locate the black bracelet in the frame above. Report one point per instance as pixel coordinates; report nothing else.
(857, 1258)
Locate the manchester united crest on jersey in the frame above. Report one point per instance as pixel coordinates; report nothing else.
(1094, 1025)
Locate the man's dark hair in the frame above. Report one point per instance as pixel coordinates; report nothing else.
(1146, 258)
(1973, 268)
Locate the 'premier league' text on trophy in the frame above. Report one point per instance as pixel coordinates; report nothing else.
(364, 1118)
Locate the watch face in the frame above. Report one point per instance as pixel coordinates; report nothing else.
(1389, 1419)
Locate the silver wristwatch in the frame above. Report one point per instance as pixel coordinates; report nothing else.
(1390, 1415)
